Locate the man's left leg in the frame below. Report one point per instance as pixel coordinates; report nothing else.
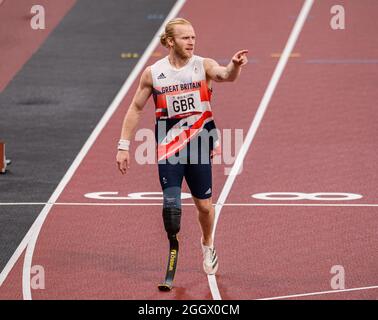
(206, 215)
(198, 178)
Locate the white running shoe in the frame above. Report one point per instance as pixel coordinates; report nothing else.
(210, 259)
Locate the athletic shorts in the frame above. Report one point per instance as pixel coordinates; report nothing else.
(195, 169)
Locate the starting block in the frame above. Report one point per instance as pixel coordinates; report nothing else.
(3, 160)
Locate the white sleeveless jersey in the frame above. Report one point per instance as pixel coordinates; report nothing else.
(182, 104)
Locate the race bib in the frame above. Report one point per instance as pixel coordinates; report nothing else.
(180, 104)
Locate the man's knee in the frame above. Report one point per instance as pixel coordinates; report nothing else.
(172, 197)
(204, 206)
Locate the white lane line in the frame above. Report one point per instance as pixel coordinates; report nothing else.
(302, 204)
(257, 120)
(86, 204)
(191, 204)
(32, 235)
(319, 293)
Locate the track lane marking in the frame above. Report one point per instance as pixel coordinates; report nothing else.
(256, 123)
(192, 204)
(319, 293)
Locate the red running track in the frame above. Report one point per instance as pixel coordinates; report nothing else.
(317, 136)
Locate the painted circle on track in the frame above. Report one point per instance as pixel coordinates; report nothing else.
(154, 195)
(105, 195)
(318, 196)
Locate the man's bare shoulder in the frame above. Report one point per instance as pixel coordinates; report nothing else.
(147, 71)
(146, 77)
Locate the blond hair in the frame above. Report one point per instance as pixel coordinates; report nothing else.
(169, 30)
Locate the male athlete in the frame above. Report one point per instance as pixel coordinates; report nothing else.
(181, 87)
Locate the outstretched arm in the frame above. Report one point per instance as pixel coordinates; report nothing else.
(133, 116)
(230, 73)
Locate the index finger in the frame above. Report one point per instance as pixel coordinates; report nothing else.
(241, 52)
